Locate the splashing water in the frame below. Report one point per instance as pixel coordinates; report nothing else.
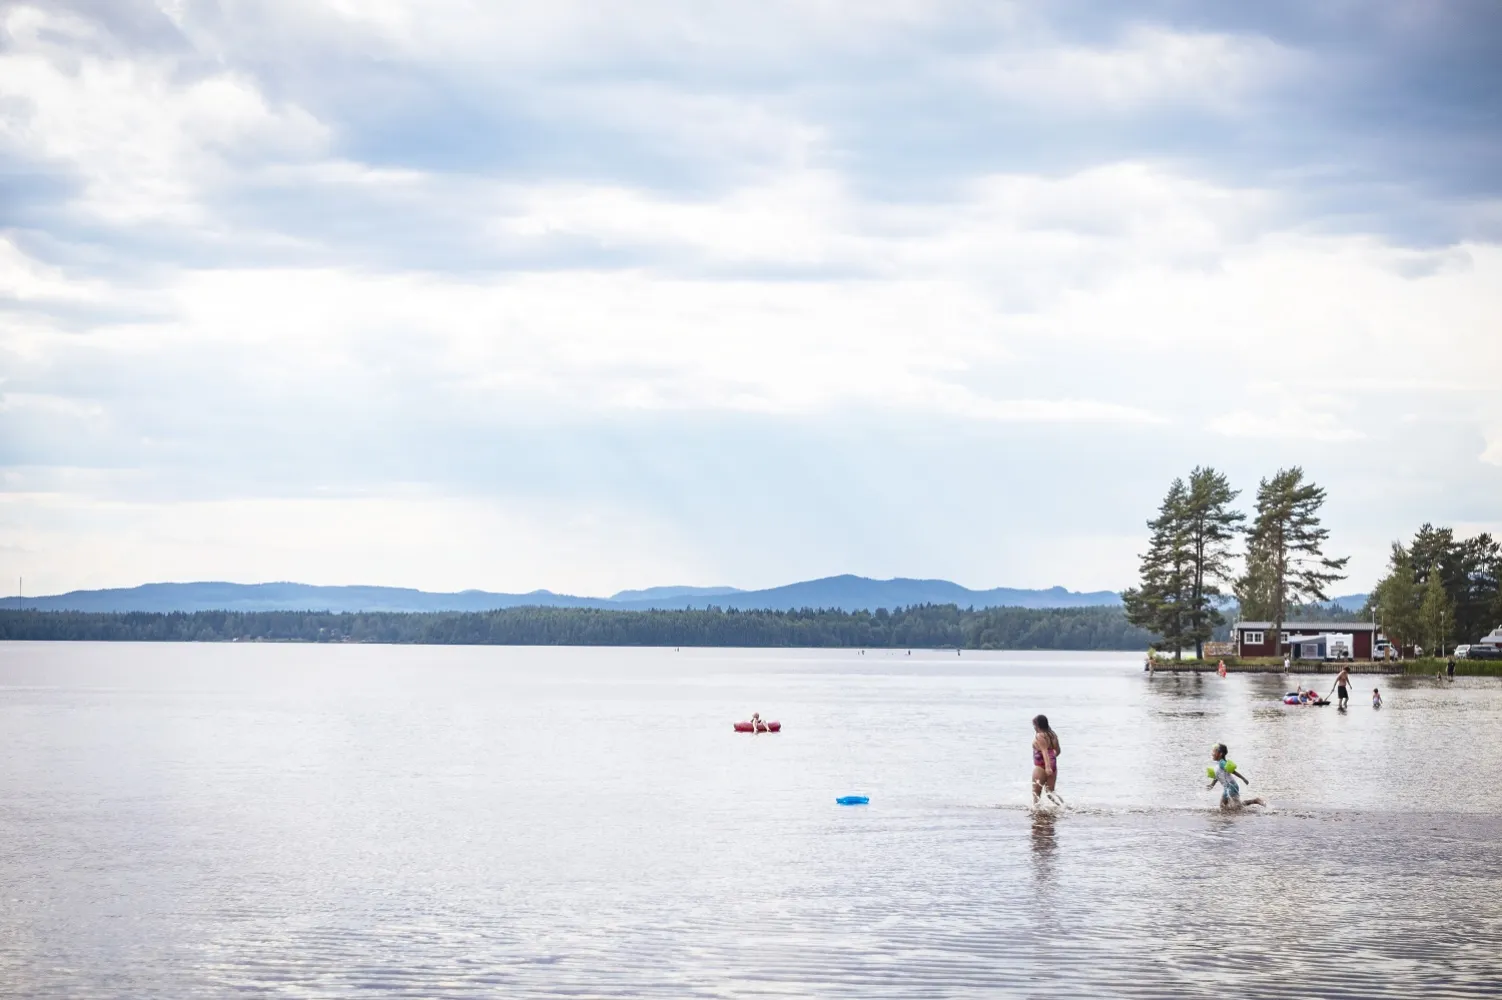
(1049, 802)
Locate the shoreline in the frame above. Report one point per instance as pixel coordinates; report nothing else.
(1356, 667)
(1423, 667)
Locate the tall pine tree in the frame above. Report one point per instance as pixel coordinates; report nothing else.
(1285, 546)
(1210, 526)
(1254, 588)
(1159, 603)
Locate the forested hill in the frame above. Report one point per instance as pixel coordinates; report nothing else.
(927, 626)
(849, 593)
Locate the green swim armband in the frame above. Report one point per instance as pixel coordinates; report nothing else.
(1209, 772)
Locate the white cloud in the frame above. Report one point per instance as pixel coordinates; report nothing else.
(1149, 66)
(1286, 421)
(739, 220)
(143, 141)
(23, 279)
(512, 34)
(1492, 453)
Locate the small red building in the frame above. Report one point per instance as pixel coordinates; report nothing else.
(1307, 640)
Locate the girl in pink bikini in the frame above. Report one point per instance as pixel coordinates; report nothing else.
(1046, 752)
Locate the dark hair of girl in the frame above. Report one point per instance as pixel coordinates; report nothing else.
(1040, 722)
(1223, 751)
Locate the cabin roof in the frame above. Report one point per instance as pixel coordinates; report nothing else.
(1296, 627)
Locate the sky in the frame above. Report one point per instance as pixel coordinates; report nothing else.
(461, 294)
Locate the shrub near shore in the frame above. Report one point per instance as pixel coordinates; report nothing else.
(1463, 667)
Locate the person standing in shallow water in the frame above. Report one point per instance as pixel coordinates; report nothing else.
(1343, 686)
(1046, 752)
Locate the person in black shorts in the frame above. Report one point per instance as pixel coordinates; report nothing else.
(1342, 686)
(1450, 668)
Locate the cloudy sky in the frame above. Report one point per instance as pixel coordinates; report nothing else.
(466, 293)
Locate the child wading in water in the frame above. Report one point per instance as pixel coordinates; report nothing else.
(1223, 773)
(1046, 752)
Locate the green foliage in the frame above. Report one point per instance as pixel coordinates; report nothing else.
(1210, 525)
(1285, 562)
(1188, 557)
(1256, 588)
(1436, 614)
(1396, 597)
(1471, 573)
(1159, 603)
(926, 627)
(1317, 612)
(1438, 589)
(1431, 665)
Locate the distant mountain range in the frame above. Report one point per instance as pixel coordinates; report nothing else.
(848, 593)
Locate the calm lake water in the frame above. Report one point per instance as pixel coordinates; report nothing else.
(302, 821)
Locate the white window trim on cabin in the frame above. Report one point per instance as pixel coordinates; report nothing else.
(1253, 638)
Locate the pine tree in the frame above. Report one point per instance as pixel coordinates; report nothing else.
(1160, 601)
(1469, 570)
(1254, 589)
(1286, 544)
(1209, 525)
(1478, 599)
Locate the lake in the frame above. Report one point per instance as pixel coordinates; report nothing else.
(369, 821)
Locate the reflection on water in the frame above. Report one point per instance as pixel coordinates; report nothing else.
(199, 821)
(1043, 833)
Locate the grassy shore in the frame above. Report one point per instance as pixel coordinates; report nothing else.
(1274, 665)
(1463, 668)
(1269, 665)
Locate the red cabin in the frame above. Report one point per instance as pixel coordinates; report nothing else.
(1307, 640)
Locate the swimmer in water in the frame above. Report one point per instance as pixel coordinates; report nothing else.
(1376, 698)
(757, 726)
(1223, 773)
(1046, 752)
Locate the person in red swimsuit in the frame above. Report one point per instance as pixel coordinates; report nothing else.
(1046, 752)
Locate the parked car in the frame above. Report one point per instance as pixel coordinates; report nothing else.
(1484, 653)
(1461, 651)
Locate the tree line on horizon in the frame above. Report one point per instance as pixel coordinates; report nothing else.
(1190, 557)
(921, 627)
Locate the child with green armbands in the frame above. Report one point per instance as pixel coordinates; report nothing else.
(1222, 772)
